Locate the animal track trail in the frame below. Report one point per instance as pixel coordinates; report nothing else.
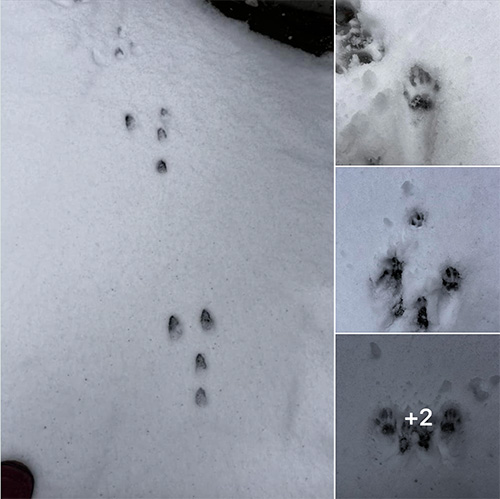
(132, 126)
(175, 332)
(400, 304)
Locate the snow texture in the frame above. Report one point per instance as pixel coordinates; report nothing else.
(100, 250)
(417, 82)
(380, 455)
(440, 274)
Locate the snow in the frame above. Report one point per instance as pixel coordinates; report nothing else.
(415, 372)
(461, 228)
(99, 250)
(457, 43)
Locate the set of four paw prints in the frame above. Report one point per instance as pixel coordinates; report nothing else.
(392, 278)
(161, 134)
(175, 332)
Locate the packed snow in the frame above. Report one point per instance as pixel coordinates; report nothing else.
(379, 455)
(418, 82)
(160, 160)
(418, 249)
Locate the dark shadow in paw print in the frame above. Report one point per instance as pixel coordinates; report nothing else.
(130, 122)
(422, 321)
(345, 12)
(206, 320)
(161, 166)
(174, 328)
(161, 134)
(393, 272)
(451, 279)
(424, 436)
(398, 309)
(417, 218)
(386, 421)
(405, 437)
(451, 421)
(200, 362)
(201, 398)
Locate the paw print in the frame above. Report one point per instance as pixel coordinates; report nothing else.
(451, 279)
(386, 421)
(422, 89)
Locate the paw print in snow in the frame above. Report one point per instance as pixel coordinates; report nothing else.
(386, 421)
(421, 93)
(451, 279)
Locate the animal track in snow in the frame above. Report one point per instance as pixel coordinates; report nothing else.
(404, 439)
(130, 122)
(451, 279)
(201, 397)
(422, 321)
(416, 219)
(174, 328)
(355, 43)
(392, 429)
(206, 320)
(398, 123)
(161, 134)
(386, 421)
(161, 166)
(451, 420)
(406, 299)
(420, 93)
(200, 362)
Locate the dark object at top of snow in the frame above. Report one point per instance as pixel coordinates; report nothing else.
(304, 29)
(345, 12)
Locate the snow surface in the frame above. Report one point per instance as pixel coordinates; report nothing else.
(415, 372)
(99, 249)
(461, 229)
(457, 42)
